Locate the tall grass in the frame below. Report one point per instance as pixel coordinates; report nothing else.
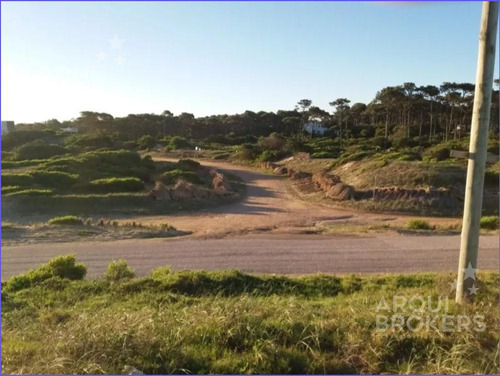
(231, 322)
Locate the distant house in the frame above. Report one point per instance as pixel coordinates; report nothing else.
(70, 129)
(315, 128)
(7, 126)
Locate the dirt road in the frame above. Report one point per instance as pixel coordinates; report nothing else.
(270, 206)
(260, 233)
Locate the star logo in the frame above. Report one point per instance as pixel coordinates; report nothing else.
(470, 272)
(453, 285)
(116, 42)
(473, 289)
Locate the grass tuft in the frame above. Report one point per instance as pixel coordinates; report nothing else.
(67, 220)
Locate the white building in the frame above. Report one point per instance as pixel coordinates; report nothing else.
(315, 128)
(7, 126)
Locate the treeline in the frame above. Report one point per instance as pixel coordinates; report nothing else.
(404, 112)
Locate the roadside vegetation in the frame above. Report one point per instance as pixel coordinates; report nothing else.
(55, 321)
(72, 228)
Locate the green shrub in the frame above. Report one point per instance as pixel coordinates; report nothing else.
(54, 179)
(438, 152)
(273, 142)
(322, 154)
(40, 179)
(188, 164)
(162, 272)
(112, 185)
(489, 223)
(118, 270)
(146, 142)
(419, 224)
(18, 138)
(11, 188)
(32, 192)
(102, 164)
(176, 143)
(269, 156)
(59, 267)
(89, 141)
(38, 149)
(170, 177)
(246, 152)
(23, 180)
(70, 220)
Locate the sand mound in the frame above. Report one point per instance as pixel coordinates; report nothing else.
(220, 184)
(160, 192)
(333, 187)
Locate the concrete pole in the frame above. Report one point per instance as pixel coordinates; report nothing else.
(477, 151)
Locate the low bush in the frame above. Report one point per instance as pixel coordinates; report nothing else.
(89, 141)
(11, 188)
(118, 270)
(269, 156)
(146, 142)
(419, 224)
(188, 164)
(60, 267)
(246, 152)
(102, 164)
(489, 223)
(38, 149)
(322, 154)
(116, 185)
(176, 143)
(23, 180)
(161, 273)
(32, 192)
(54, 179)
(67, 220)
(170, 177)
(438, 152)
(18, 138)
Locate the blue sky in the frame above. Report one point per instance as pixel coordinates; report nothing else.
(223, 57)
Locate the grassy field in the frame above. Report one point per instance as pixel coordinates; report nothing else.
(230, 322)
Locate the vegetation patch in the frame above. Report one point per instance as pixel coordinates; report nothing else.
(489, 223)
(71, 228)
(235, 323)
(419, 224)
(116, 185)
(68, 220)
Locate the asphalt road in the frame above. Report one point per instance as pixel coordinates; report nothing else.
(288, 254)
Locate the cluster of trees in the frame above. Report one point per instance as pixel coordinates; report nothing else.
(404, 111)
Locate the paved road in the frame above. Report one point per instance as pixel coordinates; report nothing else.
(289, 254)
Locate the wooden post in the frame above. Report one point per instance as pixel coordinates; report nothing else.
(466, 286)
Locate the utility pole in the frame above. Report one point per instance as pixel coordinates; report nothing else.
(466, 287)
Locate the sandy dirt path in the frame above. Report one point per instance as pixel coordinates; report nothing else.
(268, 205)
